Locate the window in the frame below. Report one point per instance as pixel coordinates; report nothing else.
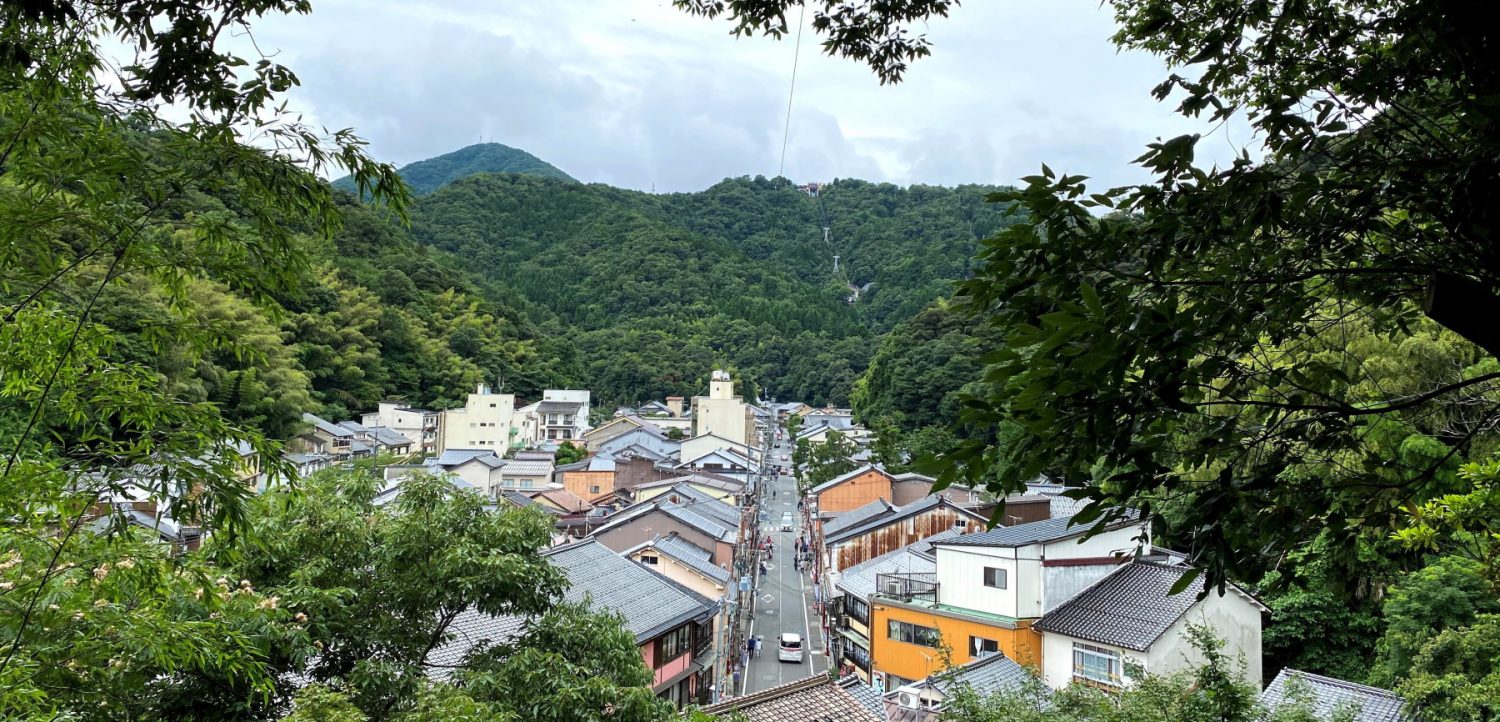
(594, 489)
(995, 578)
(525, 483)
(912, 633)
(649, 559)
(472, 424)
(1096, 664)
(960, 523)
(492, 406)
(980, 647)
(857, 609)
(673, 644)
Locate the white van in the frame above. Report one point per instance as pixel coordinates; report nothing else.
(788, 523)
(790, 648)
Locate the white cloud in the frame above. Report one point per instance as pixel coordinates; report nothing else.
(638, 95)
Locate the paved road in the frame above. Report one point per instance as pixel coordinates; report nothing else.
(784, 602)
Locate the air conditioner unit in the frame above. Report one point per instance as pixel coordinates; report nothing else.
(892, 588)
(908, 698)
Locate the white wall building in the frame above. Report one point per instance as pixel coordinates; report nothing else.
(418, 425)
(721, 412)
(487, 421)
(1130, 618)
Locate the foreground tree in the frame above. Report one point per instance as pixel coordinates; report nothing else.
(98, 191)
(378, 587)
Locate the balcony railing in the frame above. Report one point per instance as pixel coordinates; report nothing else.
(911, 587)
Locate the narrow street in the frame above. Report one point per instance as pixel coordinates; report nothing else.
(784, 601)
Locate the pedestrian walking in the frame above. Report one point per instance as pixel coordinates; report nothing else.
(762, 570)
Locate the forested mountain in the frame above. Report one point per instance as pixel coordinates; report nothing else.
(426, 176)
(659, 289)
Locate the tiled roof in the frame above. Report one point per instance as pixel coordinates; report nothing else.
(454, 457)
(1032, 533)
(897, 514)
(1328, 697)
(856, 517)
(535, 455)
(924, 547)
(558, 407)
(813, 699)
(693, 519)
(864, 693)
(691, 555)
(708, 506)
(355, 426)
(1130, 607)
(470, 629)
(650, 603)
(701, 478)
(527, 468)
(988, 675)
(567, 500)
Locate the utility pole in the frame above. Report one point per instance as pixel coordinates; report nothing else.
(835, 263)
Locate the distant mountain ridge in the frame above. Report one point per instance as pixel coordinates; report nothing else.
(426, 176)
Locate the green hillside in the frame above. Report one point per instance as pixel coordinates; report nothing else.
(426, 176)
(659, 289)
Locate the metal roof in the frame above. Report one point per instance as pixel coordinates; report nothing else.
(860, 515)
(455, 457)
(1328, 697)
(835, 481)
(325, 426)
(897, 514)
(859, 580)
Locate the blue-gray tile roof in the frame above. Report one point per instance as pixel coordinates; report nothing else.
(691, 555)
(1035, 532)
(1129, 608)
(989, 675)
(1328, 697)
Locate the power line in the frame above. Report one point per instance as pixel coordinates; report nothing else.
(787, 129)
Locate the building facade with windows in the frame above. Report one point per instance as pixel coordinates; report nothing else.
(985, 593)
(1129, 618)
(487, 421)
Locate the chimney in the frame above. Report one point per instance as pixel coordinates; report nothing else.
(674, 405)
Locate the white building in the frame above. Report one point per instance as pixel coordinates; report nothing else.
(487, 421)
(1130, 618)
(419, 425)
(721, 412)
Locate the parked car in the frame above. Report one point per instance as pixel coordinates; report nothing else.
(790, 649)
(787, 522)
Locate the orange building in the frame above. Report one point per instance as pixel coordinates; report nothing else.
(852, 490)
(588, 479)
(908, 634)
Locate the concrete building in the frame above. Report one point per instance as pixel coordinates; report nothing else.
(419, 425)
(487, 421)
(723, 413)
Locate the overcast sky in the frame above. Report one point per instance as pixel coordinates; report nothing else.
(639, 95)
